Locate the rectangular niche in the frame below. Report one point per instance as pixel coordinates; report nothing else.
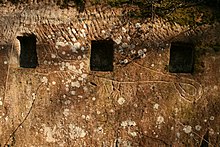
(28, 53)
(101, 55)
(181, 57)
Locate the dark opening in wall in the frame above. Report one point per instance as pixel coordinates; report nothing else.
(102, 55)
(181, 58)
(28, 55)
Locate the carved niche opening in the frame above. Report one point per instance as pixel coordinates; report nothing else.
(101, 58)
(181, 58)
(28, 53)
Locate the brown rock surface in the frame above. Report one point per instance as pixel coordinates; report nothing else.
(139, 103)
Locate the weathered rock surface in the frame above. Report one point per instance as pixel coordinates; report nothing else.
(139, 103)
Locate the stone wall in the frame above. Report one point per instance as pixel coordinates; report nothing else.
(62, 102)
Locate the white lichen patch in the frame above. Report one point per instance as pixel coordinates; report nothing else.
(123, 30)
(98, 112)
(53, 83)
(76, 132)
(80, 78)
(133, 51)
(67, 64)
(99, 130)
(112, 111)
(73, 39)
(82, 48)
(129, 38)
(62, 44)
(124, 45)
(66, 112)
(212, 118)
(128, 123)
(133, 134)
(80, 96)
(160, 120)
(53, 56)
(75, 84)
(198, 127)
(49, 133)
(33, 96)
(156, 106)
(176, 110)
(73, 31)
(178, 135)
(6, 118)
(137, 25)
(1, 103)
(124, 124)
(211, 131)
(83, 33)
(135, 105)
(44, 80)
(83, 116)
(118, 40)
(93, 98)
(125, 61)
(81, 65)
(215, 87)
(121, 101)
(85, 89)
(71, 67)
(77, 45)
(67, 102)
(187, 129)
(86, 117)
(84, 76)
(72, 92)
(140, 52)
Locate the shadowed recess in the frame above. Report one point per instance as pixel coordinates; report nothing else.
(181, 58)
(28, 55)
(102, 55)
(205, 140)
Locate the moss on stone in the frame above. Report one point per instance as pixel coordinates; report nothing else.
(190, 12)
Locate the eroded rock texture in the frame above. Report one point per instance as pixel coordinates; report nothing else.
(62, 102)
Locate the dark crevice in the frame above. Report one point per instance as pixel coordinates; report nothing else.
(205, 140)
(181, 58)
(102, 55)
(28, 55)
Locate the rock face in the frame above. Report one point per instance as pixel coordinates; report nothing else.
(62, 102)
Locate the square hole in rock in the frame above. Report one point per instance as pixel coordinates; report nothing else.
(181, 58)
(102, 55)
(28, 54)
